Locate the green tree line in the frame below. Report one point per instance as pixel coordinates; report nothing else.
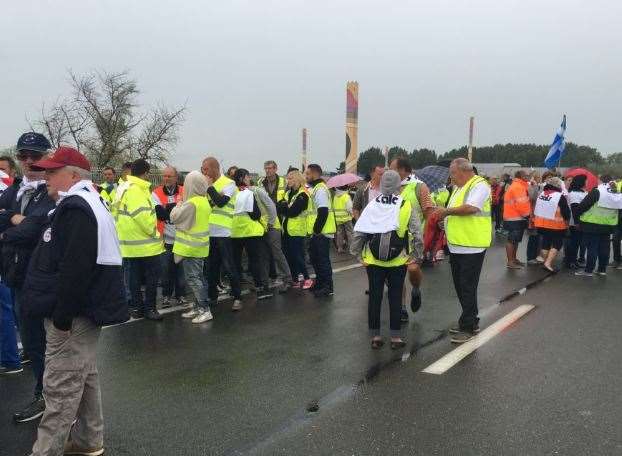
(527, 155)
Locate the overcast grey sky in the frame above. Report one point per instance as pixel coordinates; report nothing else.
(255, 72)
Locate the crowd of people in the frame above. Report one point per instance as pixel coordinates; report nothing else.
(560, 215)
(78, 255)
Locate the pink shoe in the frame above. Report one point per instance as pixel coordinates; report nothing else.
(308, 284)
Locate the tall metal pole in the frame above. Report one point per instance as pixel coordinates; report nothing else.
(471, 123)
(352, 113)
(304, 149)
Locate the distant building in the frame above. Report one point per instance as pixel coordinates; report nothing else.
(498, 169)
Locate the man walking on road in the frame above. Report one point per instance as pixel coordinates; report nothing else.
(321, 227)
(418, 194)
(469, 233)
(140, 241)
(516, 212)
(78, 265)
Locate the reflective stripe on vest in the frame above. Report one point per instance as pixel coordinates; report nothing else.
(244, 226)
(473, 230)
(133, 240)
(165, 199)
(330, 227)
(404, 218)
(194, 243)
(297, 226)
(340, 203)
(223, 216)
(600, 215)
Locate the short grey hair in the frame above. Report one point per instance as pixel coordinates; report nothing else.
(463, 164)
(83, 173)
(270, 162)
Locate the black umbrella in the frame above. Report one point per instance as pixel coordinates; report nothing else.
(434, 176)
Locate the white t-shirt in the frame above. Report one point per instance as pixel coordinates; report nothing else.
(478, 195)
(321, 198)
(217, 230)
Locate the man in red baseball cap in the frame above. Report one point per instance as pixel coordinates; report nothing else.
(83, 284)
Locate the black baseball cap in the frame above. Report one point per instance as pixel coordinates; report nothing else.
(35, 142)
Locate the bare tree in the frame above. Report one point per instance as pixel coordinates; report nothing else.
(64, 123)
(101, 119)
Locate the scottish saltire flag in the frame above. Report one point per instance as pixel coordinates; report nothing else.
(557, 148)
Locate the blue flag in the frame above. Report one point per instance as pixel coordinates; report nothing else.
(557, 148)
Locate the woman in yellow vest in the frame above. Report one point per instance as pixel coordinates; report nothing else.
(191, 247)
(342, 207)
(387, 237)
(247, 234)
(294, 211)
(551, 215)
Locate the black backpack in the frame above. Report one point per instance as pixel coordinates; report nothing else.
(387, 246)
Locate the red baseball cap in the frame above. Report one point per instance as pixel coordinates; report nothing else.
(63, 156)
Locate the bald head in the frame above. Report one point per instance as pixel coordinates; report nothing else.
(461, 170)
(211, 168)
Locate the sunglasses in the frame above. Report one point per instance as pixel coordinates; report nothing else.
(24, 155)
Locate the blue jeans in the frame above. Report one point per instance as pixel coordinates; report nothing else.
(193, 270)
(32, 333)
(319, 253)
(294, 247)
(597, 246)
(9, 356)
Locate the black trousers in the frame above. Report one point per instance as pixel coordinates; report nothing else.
(172, 274)
(145, 269)
(32, 334)
(221, 255)
(257, 254)
(394, 278)
(465, 270)
(319, 254)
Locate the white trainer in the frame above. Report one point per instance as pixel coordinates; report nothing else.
(203, 316)
(237, 305)
(190, 314)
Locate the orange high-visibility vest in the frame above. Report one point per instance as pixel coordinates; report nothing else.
(164, 200)
(516, 201)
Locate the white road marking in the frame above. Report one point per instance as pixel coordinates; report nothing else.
(455, 356)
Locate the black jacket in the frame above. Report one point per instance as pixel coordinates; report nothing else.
(18, 241)
(64, 281)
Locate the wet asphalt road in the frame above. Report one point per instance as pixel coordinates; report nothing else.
(242, 383)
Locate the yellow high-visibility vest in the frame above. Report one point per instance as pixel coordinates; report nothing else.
(136, 220)
(340, 202)
(402, 231)
(473, 230)
(223, 216)
(244, 226)
(194, 243)
(330, 226)
(297, 226)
